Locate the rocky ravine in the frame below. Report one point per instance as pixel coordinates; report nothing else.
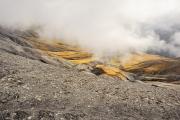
(36, 87)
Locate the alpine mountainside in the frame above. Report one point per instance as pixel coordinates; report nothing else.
(52, 80)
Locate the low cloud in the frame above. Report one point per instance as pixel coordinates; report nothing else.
(105, 27)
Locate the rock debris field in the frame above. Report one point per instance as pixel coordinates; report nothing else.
(37, 87)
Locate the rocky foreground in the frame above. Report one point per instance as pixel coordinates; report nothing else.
(37, 87)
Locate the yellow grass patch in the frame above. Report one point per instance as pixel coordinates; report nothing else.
(113, 71)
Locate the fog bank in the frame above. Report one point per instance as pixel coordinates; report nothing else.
(105, 27)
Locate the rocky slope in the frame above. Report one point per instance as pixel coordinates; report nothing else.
(37, 86)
